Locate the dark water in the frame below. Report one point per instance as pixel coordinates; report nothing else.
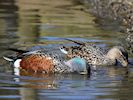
(25, 23)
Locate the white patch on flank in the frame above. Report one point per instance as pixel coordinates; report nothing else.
(63, 51)
(17, 63)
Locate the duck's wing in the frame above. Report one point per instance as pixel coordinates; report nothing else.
(77, 42)
(82, 44)
(17, 50)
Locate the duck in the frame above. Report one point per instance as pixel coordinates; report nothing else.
(47, 62)
(95, 55)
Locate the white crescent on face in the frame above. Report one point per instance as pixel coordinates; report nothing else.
(63, 51)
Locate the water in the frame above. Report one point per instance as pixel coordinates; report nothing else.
(46, 22)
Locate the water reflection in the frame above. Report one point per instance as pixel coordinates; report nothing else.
(28, 30)
(107, 83)
(8, 16)
(8, 20)
(29, 20)
(28, 94)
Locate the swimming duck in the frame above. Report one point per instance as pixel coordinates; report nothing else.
(95, 55)
(42, 61)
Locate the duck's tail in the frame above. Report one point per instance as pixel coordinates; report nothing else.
(17, 50)
(77, 42)
(12, 58)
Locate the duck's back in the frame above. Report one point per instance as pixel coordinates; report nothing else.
(92, 53)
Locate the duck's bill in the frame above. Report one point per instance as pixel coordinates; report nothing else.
(125, 63)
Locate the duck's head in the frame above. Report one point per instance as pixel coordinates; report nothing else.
(118, 55)
(79, 65)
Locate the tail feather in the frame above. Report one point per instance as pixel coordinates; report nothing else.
(77, 42)
(12, 58)
(17, 50)
(8, 58)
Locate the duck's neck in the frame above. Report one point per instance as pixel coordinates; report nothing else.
(109, 61)
(110, 57)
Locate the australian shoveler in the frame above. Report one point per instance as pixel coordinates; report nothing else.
(42, 61)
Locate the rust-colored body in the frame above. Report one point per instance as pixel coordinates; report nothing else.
(37, 63)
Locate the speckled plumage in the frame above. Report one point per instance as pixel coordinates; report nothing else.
(89, 52)
(95, 55)
(50, 62)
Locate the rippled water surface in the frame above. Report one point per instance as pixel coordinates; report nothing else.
(26, 23)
